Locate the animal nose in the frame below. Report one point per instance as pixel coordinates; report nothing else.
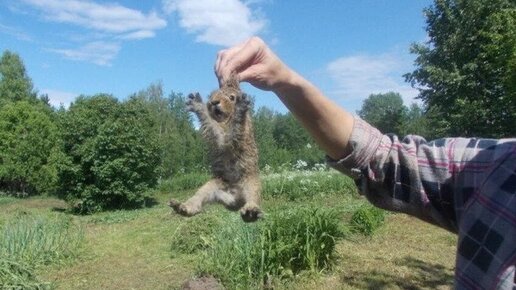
(215, 102)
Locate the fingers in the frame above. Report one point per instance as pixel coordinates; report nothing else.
(237, 59)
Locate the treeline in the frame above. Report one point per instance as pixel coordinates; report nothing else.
(103, 153)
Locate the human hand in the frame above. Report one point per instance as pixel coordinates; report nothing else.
(254, 62)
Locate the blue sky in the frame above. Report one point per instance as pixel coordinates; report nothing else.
(349, 49)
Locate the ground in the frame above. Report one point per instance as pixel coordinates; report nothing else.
(132, 250)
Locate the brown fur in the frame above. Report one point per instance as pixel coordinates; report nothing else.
(227, 127)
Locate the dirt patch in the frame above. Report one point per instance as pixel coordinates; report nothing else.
(202, 283)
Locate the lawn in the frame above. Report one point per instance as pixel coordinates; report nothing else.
(139, 249)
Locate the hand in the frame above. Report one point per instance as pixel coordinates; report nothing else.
(253, 62)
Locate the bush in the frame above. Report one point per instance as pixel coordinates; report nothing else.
(367, 219)
(287, 242)
(112, 154)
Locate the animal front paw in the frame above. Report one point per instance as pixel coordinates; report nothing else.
(250, 213)
(181, 208)
(194, 102)
(243, 103)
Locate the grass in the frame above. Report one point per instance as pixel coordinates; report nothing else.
(29, 241)
(289, 241)
(154, 249)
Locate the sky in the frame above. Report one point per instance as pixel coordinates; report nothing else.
(349, 49)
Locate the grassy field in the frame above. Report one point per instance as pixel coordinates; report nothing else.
(139, 249)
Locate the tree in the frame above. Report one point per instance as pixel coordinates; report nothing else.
(15, 85)
(384, 111)
(181, 148)
(416, 122)
(112, 153)
(466, 72)
(30, 149)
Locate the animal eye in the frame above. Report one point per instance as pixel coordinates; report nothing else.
(232, 97)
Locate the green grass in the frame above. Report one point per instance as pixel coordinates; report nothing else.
(290, 240)
(301, 185)
(153, 248)
(28, 241)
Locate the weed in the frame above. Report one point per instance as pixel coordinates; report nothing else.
(287, 242)
(367, 219)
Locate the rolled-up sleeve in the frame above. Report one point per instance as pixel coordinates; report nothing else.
(465, 185)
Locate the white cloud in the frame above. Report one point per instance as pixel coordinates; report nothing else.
(358, 76)
(98, 52)
(106, 17)
(111, 23)
(15, 32)
(218, 22)
(58, 98)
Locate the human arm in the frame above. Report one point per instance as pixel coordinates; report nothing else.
(254, 62)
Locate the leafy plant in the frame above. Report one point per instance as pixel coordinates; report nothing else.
(367, 219)
(112, 154)
(287, 242)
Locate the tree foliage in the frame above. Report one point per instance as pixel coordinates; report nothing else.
(112, 153)
(30, 149)
(384, 111)
(15, 85)
(466, 71)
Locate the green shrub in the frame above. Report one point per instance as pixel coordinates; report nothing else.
(287, 242)
(185, 181)
(367, 219)
(112, 154)
(296, 185)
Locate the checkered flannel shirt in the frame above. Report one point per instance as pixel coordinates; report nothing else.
(467, 186)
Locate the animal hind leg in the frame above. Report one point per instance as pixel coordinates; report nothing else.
(211, 191)
(250, 211)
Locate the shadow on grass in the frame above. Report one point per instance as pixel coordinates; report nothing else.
(423, 275)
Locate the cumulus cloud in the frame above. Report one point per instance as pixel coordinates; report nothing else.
(106, 17)
(98, 52)
(358, 76)
(217, 22)
(113, 22)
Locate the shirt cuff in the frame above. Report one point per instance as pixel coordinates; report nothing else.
(364, 141)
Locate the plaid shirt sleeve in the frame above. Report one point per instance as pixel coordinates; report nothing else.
(467, 186)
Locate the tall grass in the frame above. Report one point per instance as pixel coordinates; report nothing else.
(245, 256)
(186, 181)
(28, 241)
(297, 185)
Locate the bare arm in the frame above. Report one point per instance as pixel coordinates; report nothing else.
(254, 62)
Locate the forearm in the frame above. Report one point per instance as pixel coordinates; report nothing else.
(329, 124)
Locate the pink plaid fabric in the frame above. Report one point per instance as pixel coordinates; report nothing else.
(465, 185)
